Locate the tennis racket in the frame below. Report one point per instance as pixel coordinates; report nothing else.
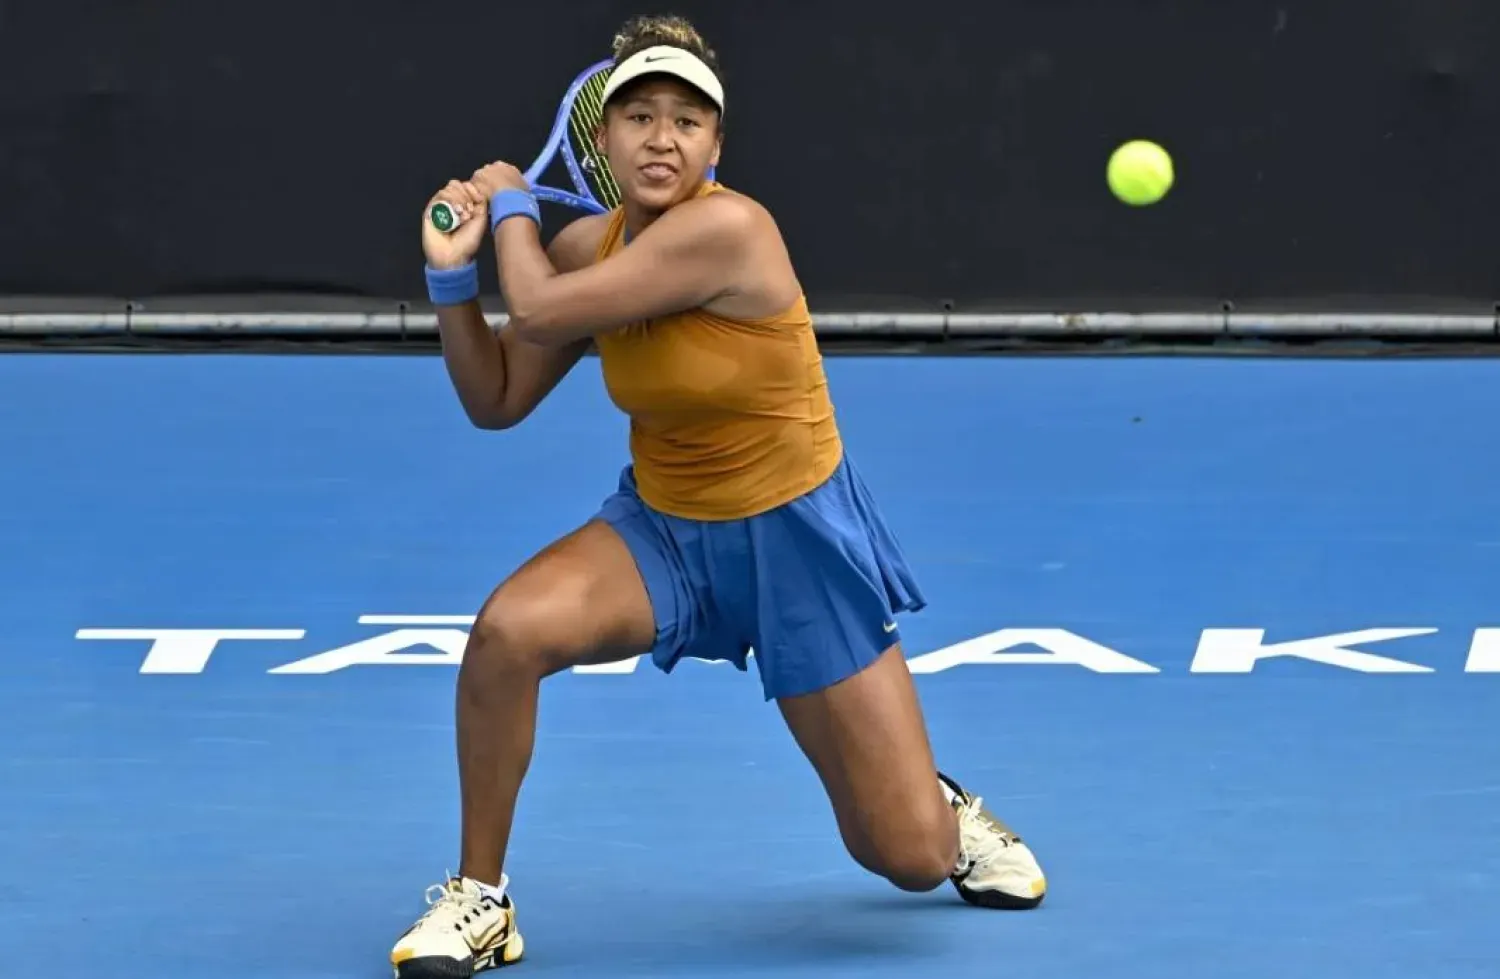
(578, 118)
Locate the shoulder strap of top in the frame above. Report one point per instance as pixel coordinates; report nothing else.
(613, 233)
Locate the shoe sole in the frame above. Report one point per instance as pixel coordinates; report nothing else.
(434, 967)
(999, 900)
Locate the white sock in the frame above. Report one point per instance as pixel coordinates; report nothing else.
(491, 890)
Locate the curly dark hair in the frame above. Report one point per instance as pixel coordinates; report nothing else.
(640, 33)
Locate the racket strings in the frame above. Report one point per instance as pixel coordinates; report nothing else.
(583, 122)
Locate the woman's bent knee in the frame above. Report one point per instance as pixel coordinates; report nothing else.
(918, 854)
(578, 601)
(533, 636)
(919, 868)
(515, 638)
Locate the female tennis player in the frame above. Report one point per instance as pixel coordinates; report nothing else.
(740, 523)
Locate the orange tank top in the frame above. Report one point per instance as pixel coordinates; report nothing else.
(728, 418)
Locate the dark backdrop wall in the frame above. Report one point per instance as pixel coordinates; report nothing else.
(914, 152)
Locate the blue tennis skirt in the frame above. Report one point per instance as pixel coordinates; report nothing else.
(812, 587)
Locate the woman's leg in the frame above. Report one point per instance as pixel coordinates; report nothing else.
(867, 740)
(580, 600)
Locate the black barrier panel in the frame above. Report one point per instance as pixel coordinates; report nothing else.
(1339, 152)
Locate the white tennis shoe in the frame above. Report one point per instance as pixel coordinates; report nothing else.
(995, 868)
(463, 932)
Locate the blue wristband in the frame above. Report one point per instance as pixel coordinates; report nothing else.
(453, 287)
(509, 203)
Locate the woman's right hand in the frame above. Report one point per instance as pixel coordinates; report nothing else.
(458, 247)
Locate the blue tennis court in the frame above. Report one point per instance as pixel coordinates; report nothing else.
(1218, 636)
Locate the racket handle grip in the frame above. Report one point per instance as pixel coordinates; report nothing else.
(444, 217)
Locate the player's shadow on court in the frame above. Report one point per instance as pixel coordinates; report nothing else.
(808, 930)
(893, 902)
(815, 928)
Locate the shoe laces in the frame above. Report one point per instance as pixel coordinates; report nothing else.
(449, 903)
(983, 836)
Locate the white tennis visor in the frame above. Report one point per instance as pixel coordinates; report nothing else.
(667, 60)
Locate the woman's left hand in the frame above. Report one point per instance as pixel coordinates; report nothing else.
(498, 176)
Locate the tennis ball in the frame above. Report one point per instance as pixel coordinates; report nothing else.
(1140, 172)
